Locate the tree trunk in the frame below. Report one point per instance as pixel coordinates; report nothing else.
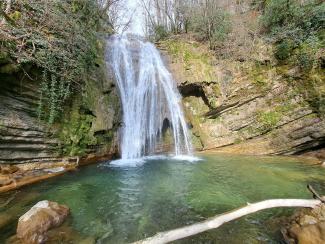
(215, 222)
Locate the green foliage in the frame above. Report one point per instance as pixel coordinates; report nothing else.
(196, 60)
(238, 140)
(59, 37)
(312, 87)
(307, 54)
(296, 28)
(280, 13)
(214, 26)
(75, 134)
(258, 74)
(268, 120)
(160, 33)
(284, 49)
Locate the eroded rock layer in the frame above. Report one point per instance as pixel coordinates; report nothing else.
(88, 123)
(23, 138)
(251, 106)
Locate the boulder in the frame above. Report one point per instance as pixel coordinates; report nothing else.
(306, 226)
(308, 234)
(66, 234)
(33, 225)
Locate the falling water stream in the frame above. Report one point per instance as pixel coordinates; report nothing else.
(150, 99)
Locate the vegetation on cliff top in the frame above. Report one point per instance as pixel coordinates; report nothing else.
(294, 29)
(298, 31)
(58, 37)
(61, 41)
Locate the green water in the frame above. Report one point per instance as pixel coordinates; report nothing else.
(120, 205)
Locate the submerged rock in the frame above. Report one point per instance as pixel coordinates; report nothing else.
(306, 226)
(5, 180)
(5, 219)
(34, 224)
(66, 234)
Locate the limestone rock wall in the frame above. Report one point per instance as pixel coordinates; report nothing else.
(24, 138)
(241, 105)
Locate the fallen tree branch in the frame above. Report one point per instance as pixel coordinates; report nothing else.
(215, 222)
(315, 194)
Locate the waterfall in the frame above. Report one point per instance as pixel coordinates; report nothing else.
(149, 96)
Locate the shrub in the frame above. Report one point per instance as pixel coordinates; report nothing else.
(268, 120)
(295, 25)
(284, 49)
(160, 33)
(75, 135)
(307, 54)
(279, 13)
(214, 26)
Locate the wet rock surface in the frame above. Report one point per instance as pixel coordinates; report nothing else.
(24, 138)
(13, 177)
(34, 224)
(306, 226)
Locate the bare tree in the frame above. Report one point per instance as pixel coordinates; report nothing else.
(116, 13)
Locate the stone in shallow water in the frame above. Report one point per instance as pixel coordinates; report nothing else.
(100, 229)
(309, 234)
(307, 226)
(307, 220)
(66, 234)
(34, 224)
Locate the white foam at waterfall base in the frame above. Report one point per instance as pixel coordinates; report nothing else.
(188, 158)
(136, 162)
(149, 96)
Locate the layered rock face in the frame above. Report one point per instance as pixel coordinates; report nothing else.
(23, 138)
(88, 124)
(243, 105)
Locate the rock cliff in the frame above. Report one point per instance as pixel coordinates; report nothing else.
(240, 104)
(88, 123)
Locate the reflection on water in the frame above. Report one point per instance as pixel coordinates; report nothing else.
(124, 204)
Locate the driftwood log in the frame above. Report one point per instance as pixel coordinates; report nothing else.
(215, 222)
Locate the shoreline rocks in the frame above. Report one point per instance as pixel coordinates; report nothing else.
(35, 223)
(23, 176)
(306, 226)
(16, 176)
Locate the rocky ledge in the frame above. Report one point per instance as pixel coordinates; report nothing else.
(16, 176)
(250, 106)
(306, 226)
